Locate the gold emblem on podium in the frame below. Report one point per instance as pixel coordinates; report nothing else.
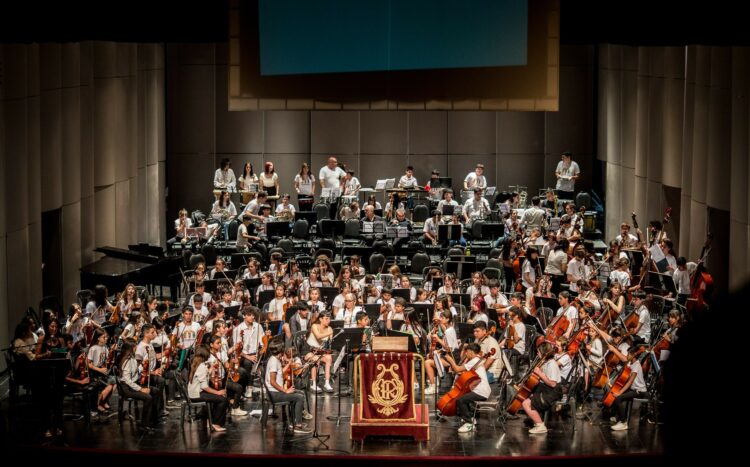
(387, 392)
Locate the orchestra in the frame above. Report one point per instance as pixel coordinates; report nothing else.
(610, 308)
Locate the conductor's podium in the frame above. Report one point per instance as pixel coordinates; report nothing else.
(384, 397)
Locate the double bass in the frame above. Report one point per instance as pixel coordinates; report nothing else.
(463, 385)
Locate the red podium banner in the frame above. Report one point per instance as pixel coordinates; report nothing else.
(387, 387)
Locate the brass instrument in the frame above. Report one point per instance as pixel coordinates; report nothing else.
(285, 216)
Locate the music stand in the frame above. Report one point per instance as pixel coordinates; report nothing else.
(445, 182)
(328, 294)
(461, 299)
(310, 216)
(210, 285)
(232, 312)
(278, 229)
(423, 312)
(403, 293)
(395, 326)
(265, 296)
(437, 282)
(337, 324)
(448, 209)
(251, 284)
(491, 231)
(332, 228)
(373, 311)
(448, 232)
(410, 340)
(465, 331)
(668, 281)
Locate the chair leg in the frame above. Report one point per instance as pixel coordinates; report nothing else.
(209, 419)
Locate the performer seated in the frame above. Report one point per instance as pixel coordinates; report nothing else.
(274, 377)
(547, 392)
(199, 388)
(320, 334)
(634, 387)
(480, 392)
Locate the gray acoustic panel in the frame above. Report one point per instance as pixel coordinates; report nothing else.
(190, 180)
(88, 230)
(49, 66)
(109, 105)
(34, 159)
(425, 163)
(570, 128)
(87, 142)
(71, 145)
(51, 157)
(471, 133)
(381, 166)
(16, 168)
(428, 132)
(287, 166)
(521, 169)
(520, 132)
(236, 132)
(194, 53)
(334, 132)
(105, 216)
(105, 59)
(459, 166)
(383, 132)
(71, 250)
(193, 112)
(287, 132)
(16, 58)
(71, 65)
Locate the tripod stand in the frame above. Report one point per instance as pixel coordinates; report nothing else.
(315, 435)
(338, 417)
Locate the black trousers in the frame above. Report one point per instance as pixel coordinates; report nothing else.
(148, 415)
(218, 407)
(465, 405)
(620, 404)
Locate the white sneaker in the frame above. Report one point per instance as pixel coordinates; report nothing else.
(466, 428)
(314, 387)
(619, 426)
(328, 387)
(237, 411)
(306, 415)
(538, 429)
(249, 393)
(613, 419)
(430, 390)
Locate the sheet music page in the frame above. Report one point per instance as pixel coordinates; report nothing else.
(380, 185)
(389, 183)
(325, 192)
(656, 253)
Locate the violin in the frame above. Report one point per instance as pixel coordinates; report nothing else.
(234, 366)
(145, 373)
(216, 375)
(266, 338)
(463, 385)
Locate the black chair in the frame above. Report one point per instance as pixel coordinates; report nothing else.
(191, 407)
(197, 216)
(455, 251)
(209, 252)
(267, 397)
(495, 253)
(324, 251)
(377, 261)
(351, 230)
(196, 259)
(583, 199)
(476, 229)
(420, 214)
(300, 229)
(327, 243)
(305, 263)
(287, 245)
(322, 211)
(493, 263)
(418, 262)
(133, 413)
(493, 273)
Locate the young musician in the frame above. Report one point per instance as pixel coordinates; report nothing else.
(444, 335)
(219, 362)
(145, 351)
(480, 392)
(320, 335)
(97, 358)
(493, 363)
(130, 376)
(633, 388)
(274, 378)
(567, 172)
(248, 177)
(569, 311)
(224, 178)
(642, 333)
(547, 392)
(348, 311)
(304, 184)
(251, 334)
(475, 179)
(200, 389)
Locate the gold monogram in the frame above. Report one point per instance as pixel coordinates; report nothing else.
(387, 392)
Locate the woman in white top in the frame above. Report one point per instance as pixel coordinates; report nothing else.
(223, 209)
(547, 392)
(224, 176)
(444, 335)
(348, 312)
(130, 379)
(269, 180)
(248, 178)
(373, 202)
(304, 182)
(200, 389)
(320, 334)
(449, 285)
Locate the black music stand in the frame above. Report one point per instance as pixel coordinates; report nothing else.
(232, 312)
(437, 282)
(448, 209)
(328, 294)
(403, 293)
(341, 340)
(210, 285)
(461, 299)
(315, 435)
(310, 216)
(465, 332)
(447, 232)
(278, 229)
(332, 228)
(265, 296)
(445, 182)
(424, 313)
(491, 231)
(372, 310)
(395, 326)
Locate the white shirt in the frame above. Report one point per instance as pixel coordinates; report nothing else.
(268, 182)
(472, 180)
(534, 217)
(224, 179)
(571, 313)
(565, 183)
(620, 276)
(348, 317)
(186, 334)
(551, 370)
(682, 281)
(431, 228)
(632, 239)
(284, 207)
(242, 242)
(565, 364)
(350, 186)
(520, 329)
(639, 383)
(527, 269)
(331, 177)
(483, 387)
(306, 185)
(555, 262)
(405, 181)
(451, 339)
(188, 224)
(644, 318)
(199, 381)
(274, 366)
(575, 269)
(476, 207)
(250, 338)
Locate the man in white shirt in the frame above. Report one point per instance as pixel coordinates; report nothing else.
(681, 279)
(330, 175)
(224, 177)
(430, 228)
(447, 199)
(475, 179)
(567, 172)
(476, 208)
(408, 180)
(626, 239)
(351, 183)
(534, 216)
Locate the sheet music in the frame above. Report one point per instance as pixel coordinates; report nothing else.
(390, 183)
(439, 364)
(340, 358)
(380, 185)
(656, 253)
(490, 191)
(554, 223)
(504, 208)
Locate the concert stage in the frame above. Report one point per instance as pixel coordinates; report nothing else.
(567, 440)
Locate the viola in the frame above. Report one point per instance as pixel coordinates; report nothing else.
(266, 339)
(82, 366)
(510, 341)
(145, 372)
(234, 366)
(215, 376)
(465, 381)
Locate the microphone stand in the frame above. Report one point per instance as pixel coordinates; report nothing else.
(315, 435)
(337, 418)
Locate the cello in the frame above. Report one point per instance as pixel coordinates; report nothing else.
(463, 385)
(526, 385)
(701, 282)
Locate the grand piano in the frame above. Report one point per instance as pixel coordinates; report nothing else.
(140, 264)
